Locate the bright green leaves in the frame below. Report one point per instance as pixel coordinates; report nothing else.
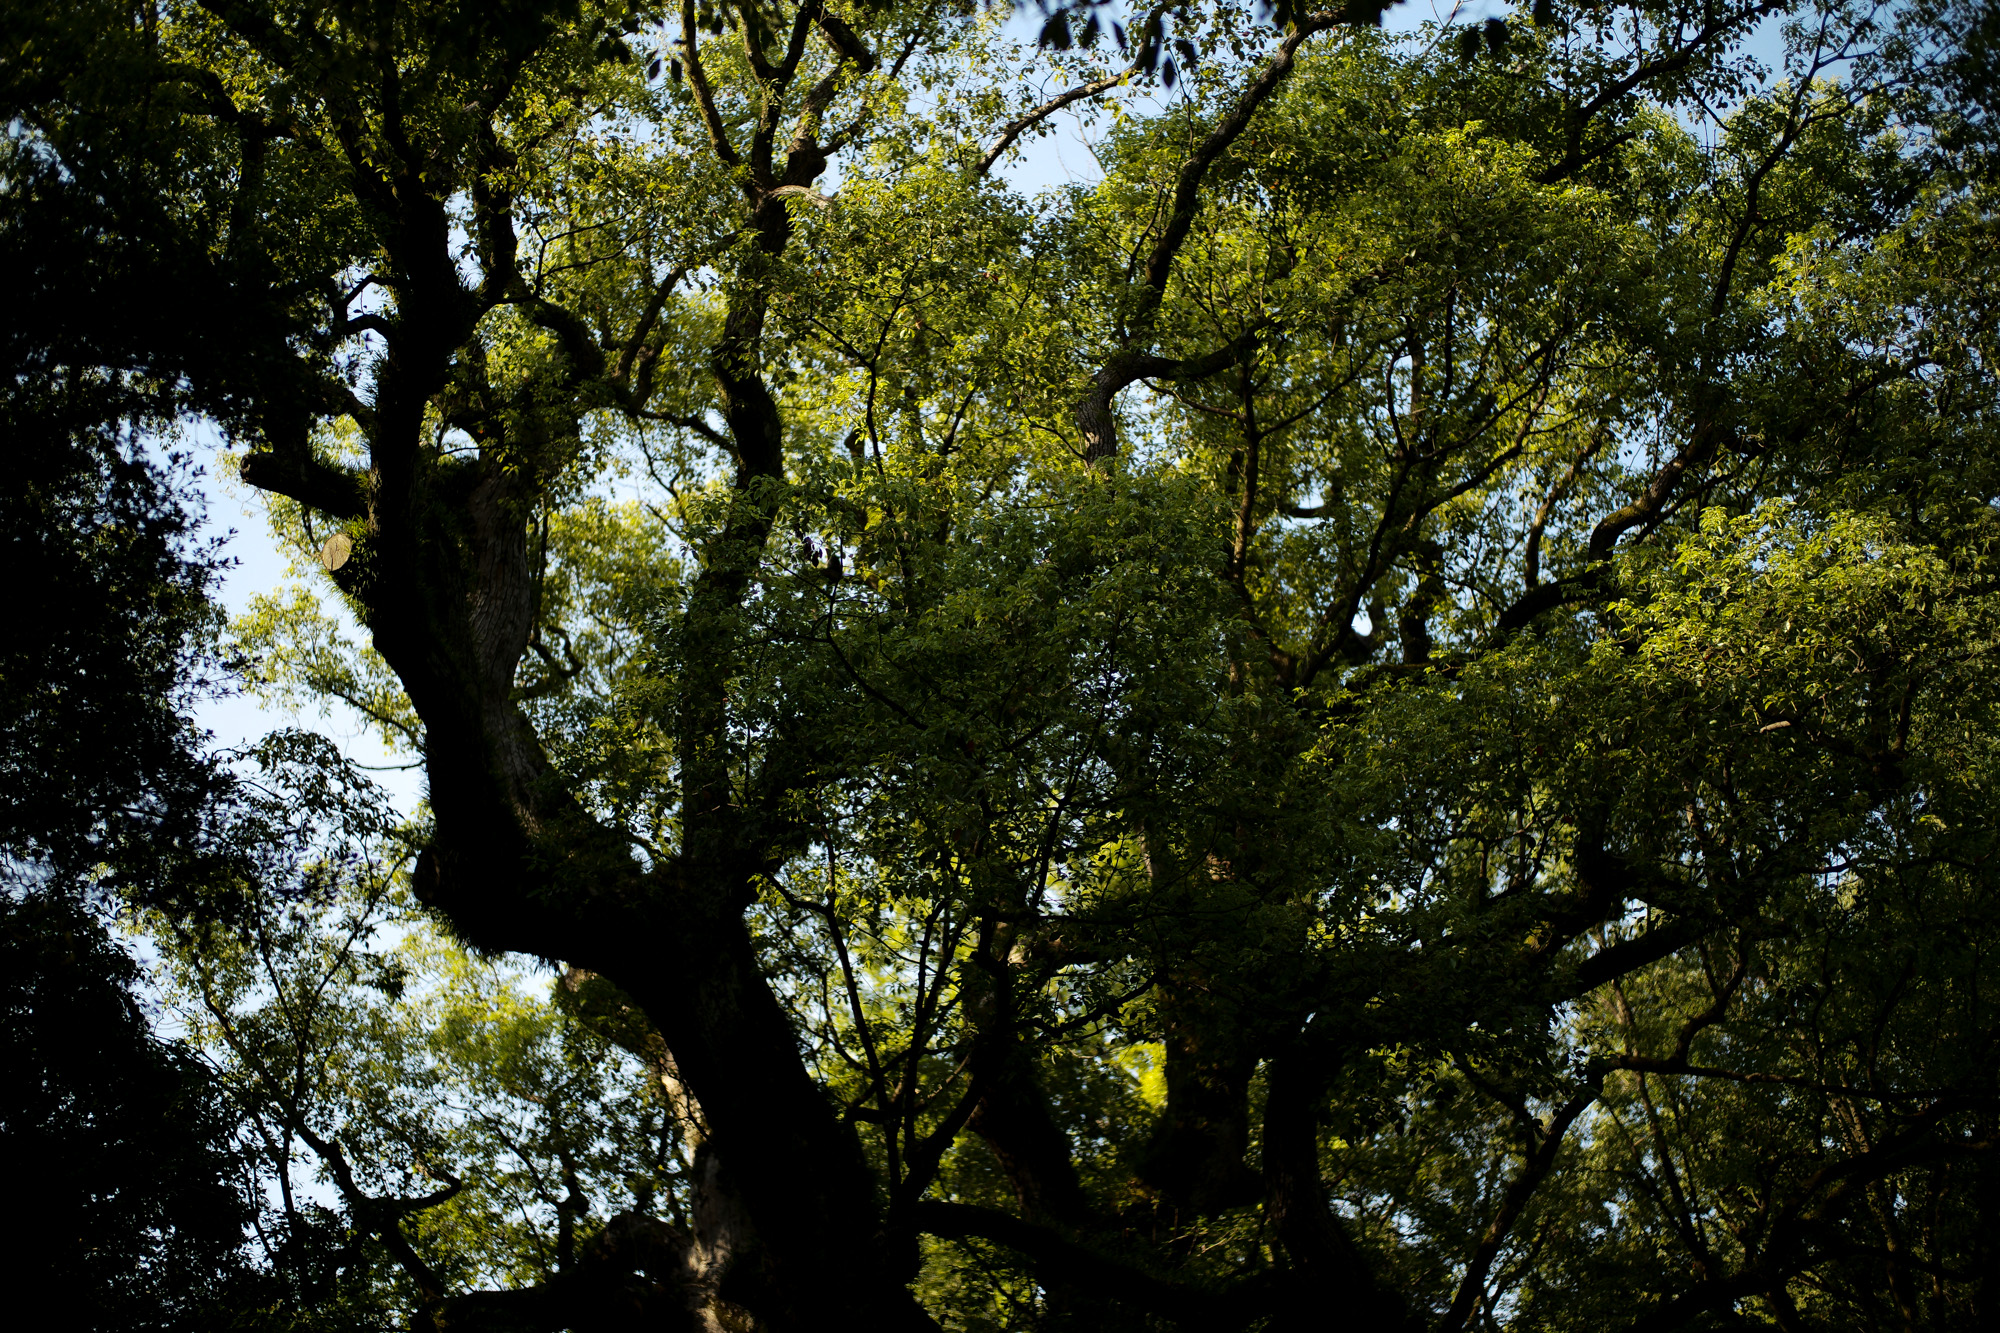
(302, 656)
(1778, 597)
(588, 680)
(1439, 333)
(378, 1063)
(1552, 639)
(921, 325)
(1764, 752)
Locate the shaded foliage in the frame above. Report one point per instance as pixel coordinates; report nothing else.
(134, 1201)
(1387, 708)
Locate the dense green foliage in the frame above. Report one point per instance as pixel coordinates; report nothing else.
(97, 761)
(1382, 713)
(132, 1194)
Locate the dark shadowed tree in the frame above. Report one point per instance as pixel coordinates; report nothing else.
(1383, 714)
(135, 1203)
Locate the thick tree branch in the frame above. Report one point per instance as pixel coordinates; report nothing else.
(704, 95)
(1820, 1202)
(1328, 1271)
(635, 1274)
(296, 475)
(844, 40)
(1059, 1258)
(1650, 503)
(1095, 419)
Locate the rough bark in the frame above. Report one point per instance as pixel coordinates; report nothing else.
(1195, 1158)
(446, 578)
(1328, 1271)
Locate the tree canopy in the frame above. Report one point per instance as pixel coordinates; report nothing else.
(1379, 713)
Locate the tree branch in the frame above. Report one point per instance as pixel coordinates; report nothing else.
(844, 40)
(1093, 414)
(1472, 1287)
(1060, 1259)
(1094, 418)
(635, 1273)
(704, 96)
(1574, 158)
(1187, 187)
(1014, 128)
(297, 475)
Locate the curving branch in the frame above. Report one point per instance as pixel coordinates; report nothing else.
(1649, 504)
(1714, 31)
(844, 40)
(1194, 172)
(635, 1273)
(1014, 128)
(1822, 1200)
(1472, 1286)
(704, 95)
(1093, 415)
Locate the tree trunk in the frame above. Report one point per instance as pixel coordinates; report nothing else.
(448, 584)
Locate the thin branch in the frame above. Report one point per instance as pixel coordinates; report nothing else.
(1472, 1287)
(1014, 128)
